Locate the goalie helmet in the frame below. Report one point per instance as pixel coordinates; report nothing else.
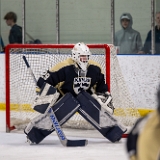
(80, 54)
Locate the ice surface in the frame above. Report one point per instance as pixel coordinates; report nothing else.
(13, 146)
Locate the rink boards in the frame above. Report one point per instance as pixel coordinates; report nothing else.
(141, 73)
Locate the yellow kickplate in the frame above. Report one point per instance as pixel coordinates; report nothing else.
(16, 107)
(118, 111)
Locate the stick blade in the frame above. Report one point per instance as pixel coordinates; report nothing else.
(76, 143)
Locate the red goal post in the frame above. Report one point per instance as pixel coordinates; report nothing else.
(12, 49)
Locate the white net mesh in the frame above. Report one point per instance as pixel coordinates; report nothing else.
(126, 111)
(22, 87)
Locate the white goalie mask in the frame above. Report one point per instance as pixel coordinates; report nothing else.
(80, 54)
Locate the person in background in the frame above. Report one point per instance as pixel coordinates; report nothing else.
(127, 39)
(1, 45)
(15, 35)
(143, 142)
(147, 45)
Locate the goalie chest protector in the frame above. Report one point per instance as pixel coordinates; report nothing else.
(67, 80)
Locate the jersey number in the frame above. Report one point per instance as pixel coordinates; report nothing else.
(46, 75)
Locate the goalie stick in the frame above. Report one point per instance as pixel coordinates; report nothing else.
(64, 141)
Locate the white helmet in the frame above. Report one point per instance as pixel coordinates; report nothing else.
(80, 49)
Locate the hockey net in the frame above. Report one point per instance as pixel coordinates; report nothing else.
(20, 87)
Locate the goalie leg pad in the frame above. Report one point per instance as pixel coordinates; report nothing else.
(36, 135)
(41, 126)
(103, 121)
(114, 134)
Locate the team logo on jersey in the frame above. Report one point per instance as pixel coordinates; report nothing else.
(81, 83)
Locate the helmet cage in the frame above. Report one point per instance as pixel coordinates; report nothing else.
(79, 53)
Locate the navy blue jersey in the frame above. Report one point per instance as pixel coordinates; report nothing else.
(64, 77)
(15, 35)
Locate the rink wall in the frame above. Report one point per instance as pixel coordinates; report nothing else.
(80, 20)
(141, 73)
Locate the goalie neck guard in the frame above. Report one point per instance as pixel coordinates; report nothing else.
(80, 54)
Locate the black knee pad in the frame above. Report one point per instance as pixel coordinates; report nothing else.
(65, 107)
(89, 105)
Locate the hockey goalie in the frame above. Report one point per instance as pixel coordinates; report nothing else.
(74, 85)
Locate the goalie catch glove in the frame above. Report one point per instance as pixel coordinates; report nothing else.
(105, 100)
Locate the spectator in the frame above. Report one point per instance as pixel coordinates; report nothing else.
(143, 142)
(1, 45)
(128, 39)
(147, 45)
(15, 35)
